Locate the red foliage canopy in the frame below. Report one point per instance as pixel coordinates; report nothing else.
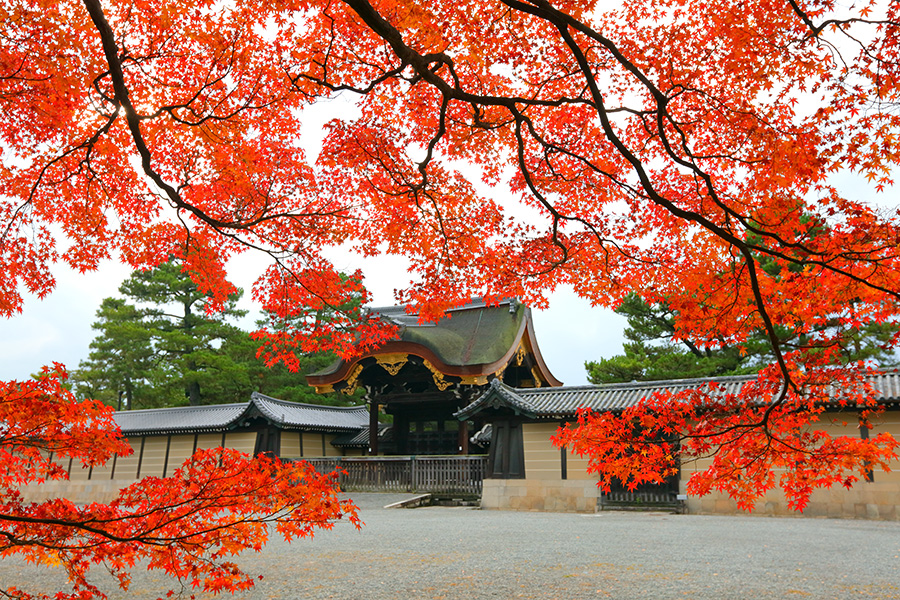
(684, 150)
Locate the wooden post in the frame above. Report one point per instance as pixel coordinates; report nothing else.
(373, 428)
(463, 437)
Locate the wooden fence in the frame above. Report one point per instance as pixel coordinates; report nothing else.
(647, 495)
(662, 497)
(421, 474)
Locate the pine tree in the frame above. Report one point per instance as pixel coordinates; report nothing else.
(654, 352)
(160, 346)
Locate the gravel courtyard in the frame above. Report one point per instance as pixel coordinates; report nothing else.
(460, 553)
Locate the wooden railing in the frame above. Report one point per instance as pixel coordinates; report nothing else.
(420, 474)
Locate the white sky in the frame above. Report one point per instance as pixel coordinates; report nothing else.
(58, 328)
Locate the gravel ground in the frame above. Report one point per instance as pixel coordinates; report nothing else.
(460, 553)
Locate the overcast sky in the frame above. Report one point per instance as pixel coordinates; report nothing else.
(569, 333)
(58, 328)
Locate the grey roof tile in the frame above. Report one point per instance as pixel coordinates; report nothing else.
(184, 419)
(294, 415)
(222, 417)
(360, 439)
(564, 402)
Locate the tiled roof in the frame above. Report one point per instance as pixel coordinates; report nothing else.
(473, 339)
(564, 402)
(499, 394)
(222, 417)
(185, 419)
(469, 335)
(475, 333)
(483, 436)
(616, 396)
(294, 415)
(888, 384)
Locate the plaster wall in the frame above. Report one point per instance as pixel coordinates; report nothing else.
(126, 466)
(181, 447)
(290, 444)
(154, 460)
(312, 445)
(244, 441)
(544, 489)
(544, 461)
(329, 449)
(206, 441)
(102, 483)
(876, 499)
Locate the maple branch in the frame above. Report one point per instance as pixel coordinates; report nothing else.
(647, 184)
(520, 147)
(816, 30)
(544, 10)
(423, 64)
(426, 67)
(805, 18)
(133, 120)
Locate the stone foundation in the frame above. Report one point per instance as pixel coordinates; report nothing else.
(540, 495)
(880, 501)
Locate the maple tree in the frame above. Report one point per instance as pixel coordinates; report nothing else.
(188, 525)
(669, 148)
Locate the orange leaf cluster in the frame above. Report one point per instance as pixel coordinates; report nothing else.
(188, 525)
(762, 437)
(668, 148)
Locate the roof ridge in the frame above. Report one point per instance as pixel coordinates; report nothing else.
(255, 395)
(558, 388)
(195, 407)
(639, 384)
(474, 303)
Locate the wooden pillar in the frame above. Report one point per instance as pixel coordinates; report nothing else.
(463, 437)
(373, 428)
(401, 432)
(869, 474)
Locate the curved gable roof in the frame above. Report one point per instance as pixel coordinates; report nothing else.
(476, 339)
(295, 415)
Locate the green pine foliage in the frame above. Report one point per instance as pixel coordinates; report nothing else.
(652, 354)
(158, 346)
